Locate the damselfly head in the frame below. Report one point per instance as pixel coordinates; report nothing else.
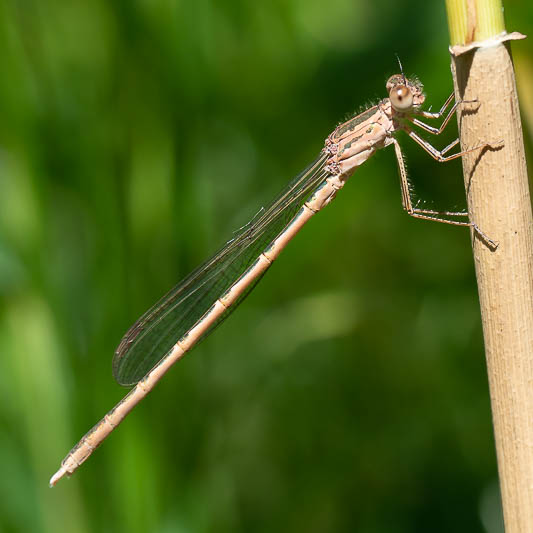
(405, 93)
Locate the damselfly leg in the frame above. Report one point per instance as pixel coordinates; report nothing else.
(438, 155)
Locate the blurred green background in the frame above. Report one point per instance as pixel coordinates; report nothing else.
(348, 392)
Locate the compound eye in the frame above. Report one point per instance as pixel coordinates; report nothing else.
(401, 98)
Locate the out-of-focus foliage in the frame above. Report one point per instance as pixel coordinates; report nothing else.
(348, 393)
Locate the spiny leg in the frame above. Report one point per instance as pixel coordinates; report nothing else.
(439, 154)
(443, 213)
(429, 115)
(407, 201)
(438, 114)
(436, 216)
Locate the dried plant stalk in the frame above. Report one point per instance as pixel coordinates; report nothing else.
(499, 203)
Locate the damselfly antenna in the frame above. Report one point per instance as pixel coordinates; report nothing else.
(401, 69)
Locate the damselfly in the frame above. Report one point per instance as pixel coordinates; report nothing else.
(190, 311)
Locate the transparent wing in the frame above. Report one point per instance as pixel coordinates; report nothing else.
(156, 332)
